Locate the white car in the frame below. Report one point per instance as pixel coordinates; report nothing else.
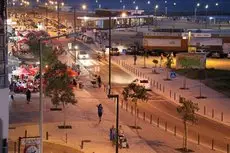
(143, 82)
(83, 55)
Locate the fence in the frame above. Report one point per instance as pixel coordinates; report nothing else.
(161, 88)
(174, 96)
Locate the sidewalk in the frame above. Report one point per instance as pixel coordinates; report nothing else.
(215, 107)
(84, 121)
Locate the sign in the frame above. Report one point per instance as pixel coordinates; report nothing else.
(31, 149)
(200, 35)
(172, 75)
(30, 141)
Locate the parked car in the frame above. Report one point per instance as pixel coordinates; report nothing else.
(228, 54)
(83, 55)
(143, 82)
(114, 52)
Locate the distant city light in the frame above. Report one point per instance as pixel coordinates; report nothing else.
(99, 5)
(134, 2)
(174, 4)
(148, 2)
(217, 4)
(62, 3)
(166, 2)
(123, 14)
(120, 1)
(198, 4)
(96, 1)
(123, 6)
(136, 7)
(206, 6)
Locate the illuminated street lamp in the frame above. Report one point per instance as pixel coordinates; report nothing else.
(62, 4)
(84, 7)
(217, 4)
(148, 2)
(206, 10)
(195, 11)
(136, 8)
(174, 3)
(166, 8)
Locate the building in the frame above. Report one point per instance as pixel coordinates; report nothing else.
(4, 92)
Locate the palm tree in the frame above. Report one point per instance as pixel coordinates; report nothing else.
(135, 93)
(155, 61)
(187, 110)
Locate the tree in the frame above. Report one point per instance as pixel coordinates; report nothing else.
(168, 63)
(135, 93)
(57, 83)
(187, 111)
(155, 61)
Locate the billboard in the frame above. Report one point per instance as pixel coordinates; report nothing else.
(162, 42)
(206, 42)
(191, 60)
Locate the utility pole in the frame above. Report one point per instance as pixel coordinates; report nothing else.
(58, 14)
(110, 52)
(74, 24)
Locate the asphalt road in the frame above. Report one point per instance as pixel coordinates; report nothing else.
(158, 106)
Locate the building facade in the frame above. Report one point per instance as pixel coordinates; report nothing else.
(4, 92)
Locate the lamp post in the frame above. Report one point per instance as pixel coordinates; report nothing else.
(41, 87)
(149, 16)
(217, 4)
(195, 11)
(206, 12)
(155, 9)
(117, 118)
(166, 9)
(136, 8)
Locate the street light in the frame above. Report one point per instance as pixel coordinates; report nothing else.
(62, 3)
(134, 2)
(195, 11)
(84, 7)
(136, 8)
(166, 8)
(149, 16)
(206, 10)
(117, 117)
(156, 7)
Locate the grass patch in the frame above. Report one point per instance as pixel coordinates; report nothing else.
(216, 79)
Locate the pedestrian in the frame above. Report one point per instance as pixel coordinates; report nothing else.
(74, 82)
(99, 111)
(135, 59)
(112, 133)
(99, 81)
(28, 95)
(161, 59)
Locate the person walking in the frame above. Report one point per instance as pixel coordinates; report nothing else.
(135, 59)
(28, 95)
(99, 111)
(99, 81)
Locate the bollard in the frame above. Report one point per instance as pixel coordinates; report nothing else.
(174, 130)
(19, 144)
(222, 116)
(132, 110)
(170, 93)
(151, 119)
(158, 121)
(166, 126)
(198, 139)
(163, 88)
(227, 148)
(15, 147)
(212, 144)
(144, 116)
(126, 107)
(122, 102)
(212, 113)
(47, 136)
(157, 85)
(174, 96)
(204, 110)
(137, 113)
(25, 133)
(66, 138)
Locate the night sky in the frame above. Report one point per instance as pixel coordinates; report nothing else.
(181, 5)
